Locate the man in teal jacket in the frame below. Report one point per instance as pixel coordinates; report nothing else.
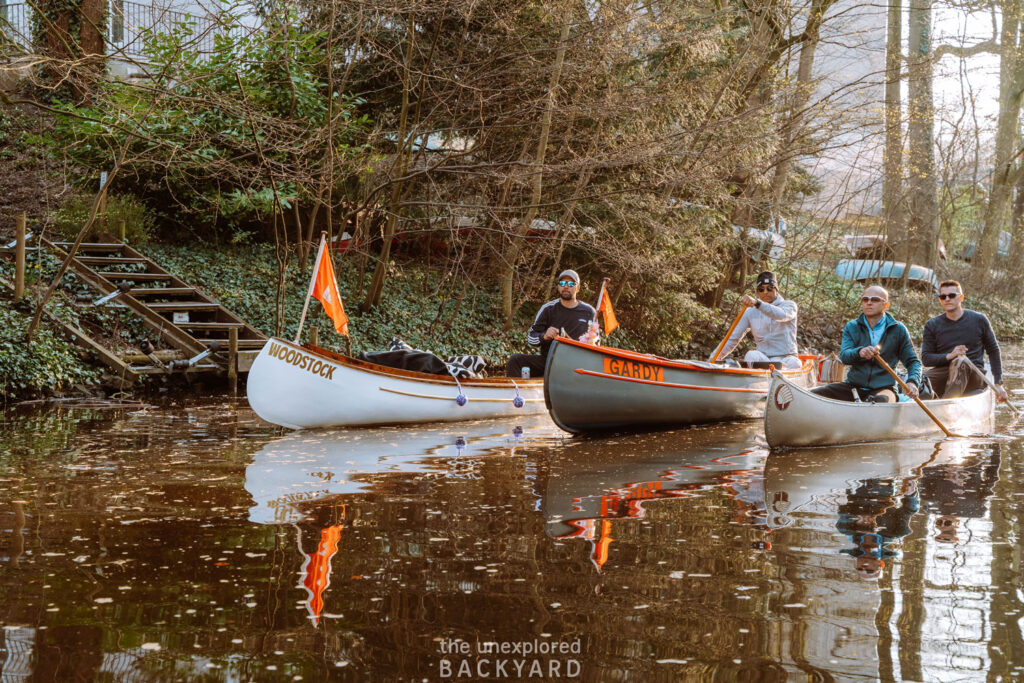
(875, 329)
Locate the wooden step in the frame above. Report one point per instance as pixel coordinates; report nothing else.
(210, 326)
(184, 306)
(242, 343)
(91, 246)
(110, 260)
(138, 292)
(110, 275)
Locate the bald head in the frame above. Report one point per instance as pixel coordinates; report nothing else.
(875, 290)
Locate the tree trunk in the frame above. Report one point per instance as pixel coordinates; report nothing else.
(513, 250)
(922, 228)
(380, 269)
(892, 158)
(997, 211)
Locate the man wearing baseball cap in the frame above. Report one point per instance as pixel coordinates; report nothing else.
(772, 321)
(564, 315)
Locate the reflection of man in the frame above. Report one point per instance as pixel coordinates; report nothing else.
(955, 338)
(565, 313)
(875, 515)
(954, 493)
(874, 333)
(772, 322)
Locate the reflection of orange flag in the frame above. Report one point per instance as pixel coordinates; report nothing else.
(318, 569)
(604, 306)
(325, 288)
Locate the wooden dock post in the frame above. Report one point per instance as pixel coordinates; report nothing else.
(314, 336)
(233, 360)
(120, 229)
(19, 257)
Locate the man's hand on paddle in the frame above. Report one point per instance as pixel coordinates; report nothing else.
(960, 350)
(868, 352)
(1001, 395)
(747, 300)
(912, 390)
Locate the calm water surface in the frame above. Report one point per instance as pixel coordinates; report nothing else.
(193, 542)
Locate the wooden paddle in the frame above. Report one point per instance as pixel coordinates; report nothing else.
(917, 399)
(718, 350)
(992, 386)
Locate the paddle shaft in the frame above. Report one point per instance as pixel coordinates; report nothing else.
(917, 399)
(718, 350)
(991, 385)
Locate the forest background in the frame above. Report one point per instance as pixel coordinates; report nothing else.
(460, 154)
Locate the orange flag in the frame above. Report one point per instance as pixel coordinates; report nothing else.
(604, 306)
(325, 288)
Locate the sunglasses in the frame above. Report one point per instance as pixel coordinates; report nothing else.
(872, 300)
(951, 295)
(566, 283)
(766, 288)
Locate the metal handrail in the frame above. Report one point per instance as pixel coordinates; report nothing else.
(14, 25)
(128, 26)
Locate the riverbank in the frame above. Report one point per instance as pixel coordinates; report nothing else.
(421, 306)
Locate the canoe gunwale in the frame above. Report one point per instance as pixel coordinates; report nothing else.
(373, 368)
(805, 360)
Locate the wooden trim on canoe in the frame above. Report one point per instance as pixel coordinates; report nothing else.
(670, 385)
(341, 359)
(807, 362)
(452, 398)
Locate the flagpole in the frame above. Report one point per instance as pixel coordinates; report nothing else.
(312, 283)
(600, 297)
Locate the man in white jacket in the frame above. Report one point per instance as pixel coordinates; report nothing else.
(772, 321)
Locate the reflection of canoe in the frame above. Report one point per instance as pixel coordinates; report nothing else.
(308, 466)
(589, 388)
(815, 480)
(301, 387)
(886, 272)
(615, 478)
(794, 416)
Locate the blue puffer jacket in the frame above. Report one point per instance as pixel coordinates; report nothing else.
(896, 347)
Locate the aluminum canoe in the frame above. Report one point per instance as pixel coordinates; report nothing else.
(593, 388)
(303, 387)
(796, 417)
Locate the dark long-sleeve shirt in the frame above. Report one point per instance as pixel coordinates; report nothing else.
(973, 330)
(574, 321)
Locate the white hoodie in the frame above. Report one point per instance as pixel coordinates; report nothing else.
(773, 326)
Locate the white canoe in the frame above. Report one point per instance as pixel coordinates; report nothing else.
(794, 416)
(304, 387)
(592, 388)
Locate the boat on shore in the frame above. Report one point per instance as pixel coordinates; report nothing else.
(796, 417)
(306, 386)
(888, 273)
(593, 388)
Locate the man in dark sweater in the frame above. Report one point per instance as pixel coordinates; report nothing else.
(956, 337)
(564, 315)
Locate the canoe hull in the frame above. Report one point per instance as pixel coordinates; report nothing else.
(593, 388)
(306, 387)
(795, 417)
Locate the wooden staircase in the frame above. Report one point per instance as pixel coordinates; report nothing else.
(180, 315)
